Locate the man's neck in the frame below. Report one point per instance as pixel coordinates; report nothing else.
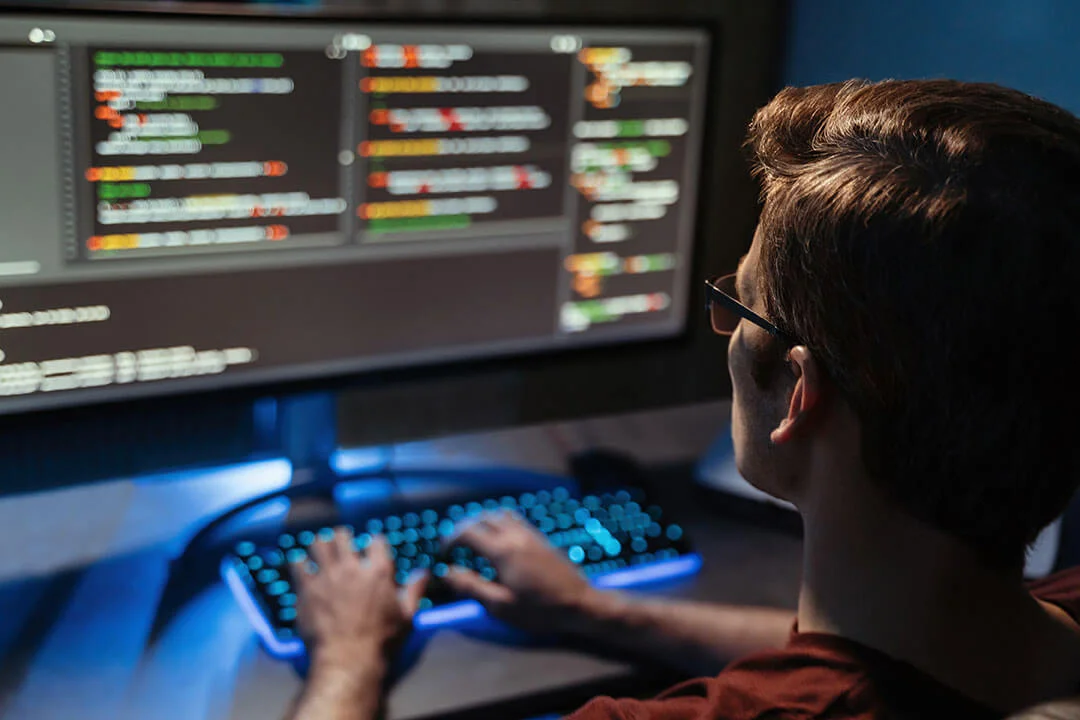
(875, 576)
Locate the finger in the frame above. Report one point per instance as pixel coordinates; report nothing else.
(507, 516)
(414, 592)
(487, 522)
(490, 524)
(322, 552)
(497, 520)
(469, 583)
(515, 525)
(343, 543)
(299, 570)
(479, 537)
(378, 555)
(510, 520)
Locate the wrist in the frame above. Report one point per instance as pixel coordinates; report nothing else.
(357, 657)
(344, 682)
(595, 610)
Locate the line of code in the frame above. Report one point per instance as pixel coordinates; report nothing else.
(191, 150)
(457, 137)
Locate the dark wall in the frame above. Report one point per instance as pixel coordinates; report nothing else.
(1031, 45)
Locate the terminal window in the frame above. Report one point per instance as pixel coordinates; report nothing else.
(199, 203)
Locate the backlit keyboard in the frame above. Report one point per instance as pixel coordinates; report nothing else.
(618, 539)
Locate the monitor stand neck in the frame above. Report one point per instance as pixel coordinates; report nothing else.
(307, 433)
(316, 476)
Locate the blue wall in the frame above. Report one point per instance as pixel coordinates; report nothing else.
(1031, 45)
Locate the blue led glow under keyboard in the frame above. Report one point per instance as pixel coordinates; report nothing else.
(618, 539)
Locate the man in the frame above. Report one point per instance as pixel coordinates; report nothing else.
(901, 372)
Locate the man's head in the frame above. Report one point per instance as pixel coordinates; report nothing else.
(919, 240)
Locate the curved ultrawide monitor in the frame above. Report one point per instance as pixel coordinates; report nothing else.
(193, 203)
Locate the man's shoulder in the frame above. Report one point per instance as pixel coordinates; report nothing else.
(815, 677)
(1062, 589)
(805, 680)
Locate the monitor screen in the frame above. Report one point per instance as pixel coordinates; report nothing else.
(191, 204)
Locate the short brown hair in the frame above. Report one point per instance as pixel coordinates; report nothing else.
(920, 237)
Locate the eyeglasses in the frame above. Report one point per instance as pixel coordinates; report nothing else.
(725, 310)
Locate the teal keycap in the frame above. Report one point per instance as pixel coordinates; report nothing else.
(267, 576)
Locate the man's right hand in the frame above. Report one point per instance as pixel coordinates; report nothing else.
(538, 589)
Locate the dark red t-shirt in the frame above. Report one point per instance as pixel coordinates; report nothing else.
(820, 676)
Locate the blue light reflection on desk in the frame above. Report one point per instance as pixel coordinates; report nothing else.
(353, 461)
(171, 507)
(194, 668)
(105, 577)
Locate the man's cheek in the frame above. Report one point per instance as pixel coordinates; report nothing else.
(733, 349)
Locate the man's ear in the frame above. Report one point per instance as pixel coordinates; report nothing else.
(806, 396)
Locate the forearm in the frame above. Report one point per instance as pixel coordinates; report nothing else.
(695, 637)
(342, 688)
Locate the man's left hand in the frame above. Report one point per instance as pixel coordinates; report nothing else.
(350, 611)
